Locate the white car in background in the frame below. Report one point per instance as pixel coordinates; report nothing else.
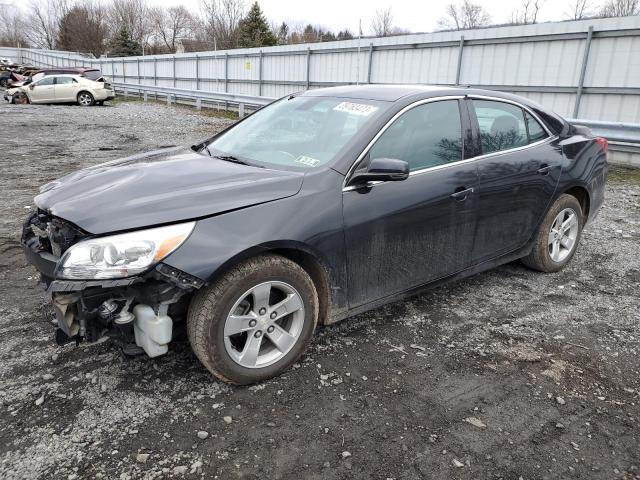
(62, 89)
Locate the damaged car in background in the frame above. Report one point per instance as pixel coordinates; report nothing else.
(315, 208)
(61, 88)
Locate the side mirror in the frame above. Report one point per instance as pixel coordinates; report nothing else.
(382, 170)
(32, 86)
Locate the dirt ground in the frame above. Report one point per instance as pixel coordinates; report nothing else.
(510, 374)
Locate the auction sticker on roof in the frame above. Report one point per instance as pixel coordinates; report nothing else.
(355, 108)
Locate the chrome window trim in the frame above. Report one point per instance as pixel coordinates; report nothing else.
(549, 138)
(524, 107)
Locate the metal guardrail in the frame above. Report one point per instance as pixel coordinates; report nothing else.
(622, 137)
(173, 94)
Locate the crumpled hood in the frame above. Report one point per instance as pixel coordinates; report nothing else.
(163, 186)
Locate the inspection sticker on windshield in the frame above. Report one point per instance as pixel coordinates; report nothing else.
(355, 108)
(308, 161)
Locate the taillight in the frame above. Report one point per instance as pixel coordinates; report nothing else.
(604, 144)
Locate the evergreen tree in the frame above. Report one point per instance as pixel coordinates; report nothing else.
(254, 30)
(123, 45)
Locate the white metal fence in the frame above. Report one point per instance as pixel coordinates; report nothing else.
(588, 69)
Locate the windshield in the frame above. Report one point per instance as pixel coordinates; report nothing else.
(297, 132)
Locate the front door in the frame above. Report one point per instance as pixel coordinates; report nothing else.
(42, 90)
(518, 173)
(403, 234)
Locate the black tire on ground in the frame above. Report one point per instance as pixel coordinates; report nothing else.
(91, 102)
(540, 256)
(3, 82)
(210, 307)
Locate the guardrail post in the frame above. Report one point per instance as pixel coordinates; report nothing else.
(197, 72)
(198, 104)
(144, 96)
(260, 74)
(459, 68)
(174, 71)
(168, 99)
(369, 64)
(583, 71)
(241, 110)
(308, 66)
(126, 93)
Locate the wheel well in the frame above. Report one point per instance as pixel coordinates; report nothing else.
(318, 274)
(583, 197)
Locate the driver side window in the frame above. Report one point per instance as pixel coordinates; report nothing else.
(45, 81)
(425, 136)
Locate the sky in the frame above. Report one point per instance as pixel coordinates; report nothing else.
(416, 15)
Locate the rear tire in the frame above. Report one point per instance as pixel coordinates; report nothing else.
(85, 99)
(255, 321)
(558, 236)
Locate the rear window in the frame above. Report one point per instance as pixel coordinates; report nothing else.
(93, 74)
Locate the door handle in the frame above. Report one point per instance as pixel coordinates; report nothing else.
(545, 169)
(461, 194)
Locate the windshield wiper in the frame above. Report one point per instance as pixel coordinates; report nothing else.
(230, 158)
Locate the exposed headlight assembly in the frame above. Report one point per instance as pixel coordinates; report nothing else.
(123, 255)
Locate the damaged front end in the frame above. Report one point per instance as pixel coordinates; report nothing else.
(115, 286)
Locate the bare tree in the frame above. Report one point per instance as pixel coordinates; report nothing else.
(579, 9)
(172, 24)
(528, 13)
(134, 14)
(382, 23)
(43, 22)
(220, 20)
(620, 8)
(12, 26)
(84, 29)
(464, 15)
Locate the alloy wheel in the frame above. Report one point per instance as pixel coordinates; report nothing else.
(85, 99)
(563, 235)
(264, 324)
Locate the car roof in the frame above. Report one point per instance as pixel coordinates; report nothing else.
(394, 93)
(386, 93)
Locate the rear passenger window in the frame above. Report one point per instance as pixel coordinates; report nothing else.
(426, 136)
(502, 125)
(535, 130)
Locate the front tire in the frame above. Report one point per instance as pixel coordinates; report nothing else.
(255, 321)
(85, 99)
(558, 236)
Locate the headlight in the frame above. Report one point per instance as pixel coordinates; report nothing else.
(122, 255)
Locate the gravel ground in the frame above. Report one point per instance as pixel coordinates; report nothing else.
(509, 374)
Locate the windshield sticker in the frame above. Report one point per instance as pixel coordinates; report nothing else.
(355, 108)
(308, 161)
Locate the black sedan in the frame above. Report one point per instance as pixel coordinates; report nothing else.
(320, 206)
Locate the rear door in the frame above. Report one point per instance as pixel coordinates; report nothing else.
(66, 89)
(43, 90)
(519, 166)
(404, 234)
